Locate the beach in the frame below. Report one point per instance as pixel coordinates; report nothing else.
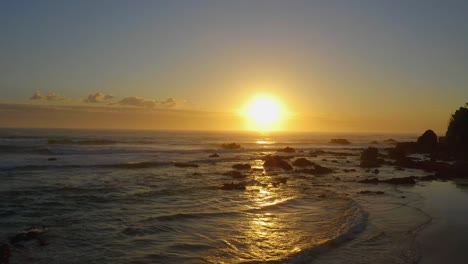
(444, 240)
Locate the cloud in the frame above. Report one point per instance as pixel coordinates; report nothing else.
(149, 103)
(51, 96)
(98, 98)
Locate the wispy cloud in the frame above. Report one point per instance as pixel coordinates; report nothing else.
(98, 97)
(150, 103)
(51, 96)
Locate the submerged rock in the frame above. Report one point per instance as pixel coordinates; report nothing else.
(303, 162)
(403, 180)
(234, 186)
(33, 233)
(230, 146)
(396, 181)
(235, 174)
(185, 165)
(371, 181)
(317, 170)
(214, 155)
(287, 150)
(371, 192)
(340, 141)
(241, 166)
(390, 141)
(276, 162)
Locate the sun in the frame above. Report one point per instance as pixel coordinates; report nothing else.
(264, 112)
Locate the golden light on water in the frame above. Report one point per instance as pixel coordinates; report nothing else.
(264, 113)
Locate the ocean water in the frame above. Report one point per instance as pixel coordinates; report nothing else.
(116, 197)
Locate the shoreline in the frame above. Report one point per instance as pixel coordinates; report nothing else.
(444, 239)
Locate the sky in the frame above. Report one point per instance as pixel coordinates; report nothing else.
(349, 66)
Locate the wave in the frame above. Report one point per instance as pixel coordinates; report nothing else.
(179, 216)
(12, 149)
(81, 142)
(349, 225)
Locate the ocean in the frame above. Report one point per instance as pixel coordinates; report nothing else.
(117, 197)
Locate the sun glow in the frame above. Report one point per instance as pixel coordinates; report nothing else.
(264, 113)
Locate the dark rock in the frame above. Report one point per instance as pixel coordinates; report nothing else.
(230, 146)
(60, 141)
(282, 180)
(371, 192)
(185, 165)
(459, 169)
(371, 181)
(315, 153)
(196, 174)
(340, 141)
(349, 170)
(317, 170)
(287, 150)
(257, 169)
(234, 186)
(403, 180)
(276, 162)
(376, 171)
(396, 181)
(5, 253)
(52, 159)
(456, 136)
(390, 141)
(369, 158)
(374, 142)
(214, 155)
(32, 233)
(241, 166)
(235, 174)
(303, 162)
(427, 178)
(427, 142)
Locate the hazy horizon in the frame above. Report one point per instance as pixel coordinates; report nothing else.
(371, 66)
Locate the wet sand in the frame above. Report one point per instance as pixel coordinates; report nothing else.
(445, 240)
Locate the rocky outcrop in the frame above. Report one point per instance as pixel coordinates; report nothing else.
(276, 162)
(369, 158)
(214, 155)
(457, 133)
(427, 142)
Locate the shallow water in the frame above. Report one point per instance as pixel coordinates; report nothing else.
(116, 197)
